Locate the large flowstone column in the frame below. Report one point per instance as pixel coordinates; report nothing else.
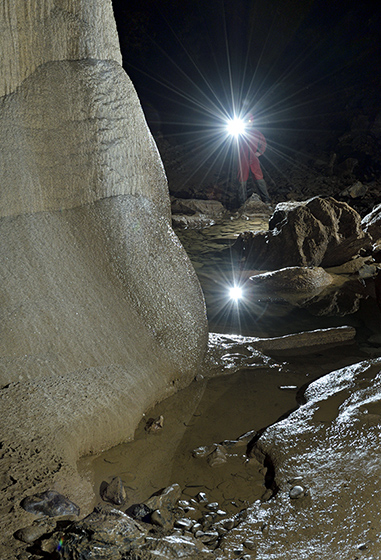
(101, 312)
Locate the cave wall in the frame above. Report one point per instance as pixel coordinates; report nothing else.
(102, 313)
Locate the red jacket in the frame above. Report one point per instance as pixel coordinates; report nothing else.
(251, 145)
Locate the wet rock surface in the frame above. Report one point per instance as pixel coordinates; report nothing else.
(319, 467)
(326, 458)
(49, 503)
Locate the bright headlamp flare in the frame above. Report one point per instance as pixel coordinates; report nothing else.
(235, 293)
(236, 126)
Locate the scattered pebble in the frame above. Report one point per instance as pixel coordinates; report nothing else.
(184, 523)
(212, 506)
(154, 424)
(296, 492)
(201, 497)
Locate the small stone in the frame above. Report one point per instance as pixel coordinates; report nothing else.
(295, 480)
(209, 536)
(296, 492)
(50, 503)
(50, 545)
(184, 503)
(250, 544)
(217, 457)
(362, 546)
(184, 523)
(201, 497)
(31, 533)
(228, 524)
(163, 518)
(139, 511)
(221, 512)
(196, 527)
(212, 506)
(154, 424)
(115, 492)
(221, 530)
(199, 534)
(203, 451)
(166, 499)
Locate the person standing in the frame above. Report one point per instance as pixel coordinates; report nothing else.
(252, 144)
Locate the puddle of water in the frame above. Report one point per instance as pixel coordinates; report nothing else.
(205, 413)
(225, 407)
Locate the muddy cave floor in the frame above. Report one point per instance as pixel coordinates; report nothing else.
(225, 406)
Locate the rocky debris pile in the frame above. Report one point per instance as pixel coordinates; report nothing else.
(318, 232)
(163, 527)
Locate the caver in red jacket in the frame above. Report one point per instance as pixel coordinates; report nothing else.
(251, 145)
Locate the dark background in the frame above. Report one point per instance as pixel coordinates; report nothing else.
(306, 68)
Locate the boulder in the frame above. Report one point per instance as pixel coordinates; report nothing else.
(330, 448)
(371, 223)
(317, 232)
(253, 205)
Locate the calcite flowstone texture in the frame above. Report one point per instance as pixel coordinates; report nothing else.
(101, 312)
(317, 232)
(331, 448)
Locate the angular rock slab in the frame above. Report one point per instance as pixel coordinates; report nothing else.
(318, 232)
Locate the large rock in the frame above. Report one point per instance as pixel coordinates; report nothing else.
(318, 232)
(102, 313)
(294, 279)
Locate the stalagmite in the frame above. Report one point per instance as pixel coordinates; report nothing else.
(102, 313)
